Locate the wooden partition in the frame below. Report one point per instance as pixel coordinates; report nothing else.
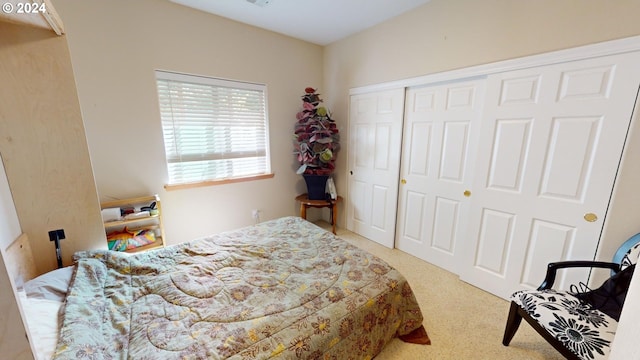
(43, 144)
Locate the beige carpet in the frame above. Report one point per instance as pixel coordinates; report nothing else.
(462, 321)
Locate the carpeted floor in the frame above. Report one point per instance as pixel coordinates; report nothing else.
(463, 322)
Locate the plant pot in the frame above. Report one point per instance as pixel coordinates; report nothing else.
(316, 185)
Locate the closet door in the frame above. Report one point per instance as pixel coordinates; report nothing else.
(549, 149)
(375, 136)
(440, 137)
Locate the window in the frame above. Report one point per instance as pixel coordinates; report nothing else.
(213, 129)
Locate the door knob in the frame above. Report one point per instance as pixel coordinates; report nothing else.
(403, 181)
(590, 217)
(467, 193)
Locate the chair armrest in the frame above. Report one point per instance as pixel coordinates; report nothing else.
(552, 268)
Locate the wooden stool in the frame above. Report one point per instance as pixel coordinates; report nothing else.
(330, 203)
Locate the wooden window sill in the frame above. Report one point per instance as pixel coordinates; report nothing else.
(217, 182)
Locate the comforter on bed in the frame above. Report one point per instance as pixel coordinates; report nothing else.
(281, 289)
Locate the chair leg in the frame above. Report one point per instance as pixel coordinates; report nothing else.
(513, 322)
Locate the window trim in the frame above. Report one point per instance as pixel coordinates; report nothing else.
(192, 185)
(208, 80)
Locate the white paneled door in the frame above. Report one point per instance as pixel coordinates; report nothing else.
(375, 136)
(440, 127)
(549, 147)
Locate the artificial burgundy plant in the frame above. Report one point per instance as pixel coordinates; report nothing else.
(316, 137)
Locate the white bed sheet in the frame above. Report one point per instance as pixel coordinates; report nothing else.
(42, 320)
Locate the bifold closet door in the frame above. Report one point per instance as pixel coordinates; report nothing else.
(440, 136)
(375, 136)
(550, 145)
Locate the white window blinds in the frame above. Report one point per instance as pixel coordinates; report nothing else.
(213, 129)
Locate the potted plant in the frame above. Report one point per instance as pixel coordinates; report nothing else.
(316, 143)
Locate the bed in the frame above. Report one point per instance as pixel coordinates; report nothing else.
(284, 288)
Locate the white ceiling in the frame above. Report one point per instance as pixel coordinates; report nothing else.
(317, 21)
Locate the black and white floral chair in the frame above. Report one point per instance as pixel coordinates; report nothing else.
(574, 328)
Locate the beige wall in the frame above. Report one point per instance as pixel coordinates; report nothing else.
(451, 34)
(43, 144)
(115, 47)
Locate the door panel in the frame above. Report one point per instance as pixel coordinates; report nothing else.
(436, 167)
(510, 148)
(586, 84)
(553, 238)
(381, 219)
(444, 225)
(547, 155)
(419, 149)
(565, 172)
(375, 128)
(454, 152)
(383, 133)
(496, 236)
(413, 224)
(357, 198)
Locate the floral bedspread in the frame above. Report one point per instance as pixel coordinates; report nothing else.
(283, 289)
